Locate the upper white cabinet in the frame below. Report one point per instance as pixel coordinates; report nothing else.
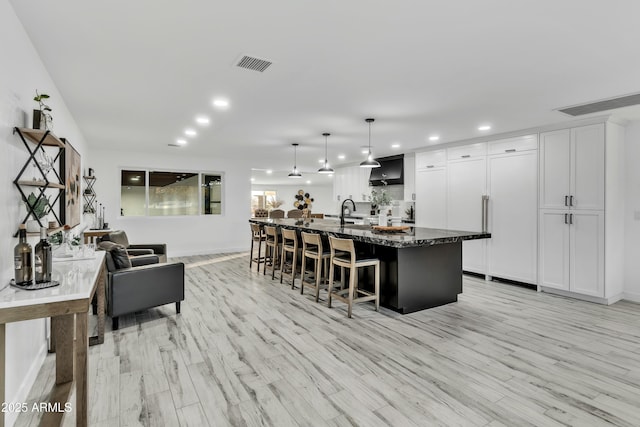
(351, 182)
(478, 149)
(572, 167)
(431, 159)
(409, 178)
(431, 197)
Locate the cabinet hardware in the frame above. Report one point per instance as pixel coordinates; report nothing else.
(570, 200)
(570, 218)
(413, 196)
(566, 200)
(485, 213)
(566, 216)
(466, 156)
(429, 167)
(510, 150)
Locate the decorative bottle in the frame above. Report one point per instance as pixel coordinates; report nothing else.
(23, 262)
(44, 260)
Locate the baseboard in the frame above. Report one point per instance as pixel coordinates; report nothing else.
(631, 296)
(23, 392)
(574, 295)
(175, 254)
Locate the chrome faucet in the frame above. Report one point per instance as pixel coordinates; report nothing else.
(342, 210)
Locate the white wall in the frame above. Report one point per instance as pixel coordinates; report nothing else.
(632, 213)
(21, 74)
(184, 235)
(321, 194)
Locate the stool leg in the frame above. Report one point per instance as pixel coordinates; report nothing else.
(352, 285)
(259, 255)
(377, 272)
(293, 269)
(266, 255)
(251, 252)
(304, 259)
(318, 272)
(284, 256)
(330, 285)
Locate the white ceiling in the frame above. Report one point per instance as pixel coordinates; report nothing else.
(136, 73)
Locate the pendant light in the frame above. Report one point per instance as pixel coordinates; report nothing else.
(370, 162)
(295, 173)
(325, 169)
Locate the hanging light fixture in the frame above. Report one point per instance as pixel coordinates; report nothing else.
(325, 168)
(295, 173)
(370, 162)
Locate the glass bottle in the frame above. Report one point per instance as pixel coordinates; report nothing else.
(44, 260)
(23, 264)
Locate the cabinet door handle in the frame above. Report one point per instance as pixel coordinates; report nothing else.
(566, 216)
(570, 218)
(485, 213)
(570, 200)
(566, 200)
(466, 156)
(510, 150)
(429, 166)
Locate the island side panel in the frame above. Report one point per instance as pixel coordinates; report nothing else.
(417, 278)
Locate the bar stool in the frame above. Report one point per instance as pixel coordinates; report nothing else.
(272, 249)
(289, 244)
(257, 235)
(348, 260)
(312, 248)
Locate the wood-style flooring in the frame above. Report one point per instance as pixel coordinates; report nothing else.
(248, 351)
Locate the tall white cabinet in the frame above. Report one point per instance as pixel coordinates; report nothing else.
(431, 189)
(466, 185)
(513, 201)
(581, 212)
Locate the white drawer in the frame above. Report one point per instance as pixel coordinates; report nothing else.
(466, 151)
(430, 159)
(512, 145)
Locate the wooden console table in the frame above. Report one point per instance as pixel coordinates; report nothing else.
(91, 235)
(68, 306)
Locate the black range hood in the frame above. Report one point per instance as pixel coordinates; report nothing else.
(390, 172)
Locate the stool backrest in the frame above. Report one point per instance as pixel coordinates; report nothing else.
(311, 239)
(276, 213)
(289, 238)
(272, 234)
(256, 231)
(294, 213)
(342, 245)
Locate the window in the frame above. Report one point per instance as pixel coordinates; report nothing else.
(168, 193)
(263, 200)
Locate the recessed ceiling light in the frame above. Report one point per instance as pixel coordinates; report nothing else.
(253, 179)
(220, 103)
(484, 127)
(202, 120)
(330, 175)
(320, 160)
(190, 132)
(365, 151)
(342, 157)
(269, 171)
(181, 141)
(308, 182)
(396, 145)
(434, 138)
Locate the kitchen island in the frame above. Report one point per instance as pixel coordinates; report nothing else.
(419, 269)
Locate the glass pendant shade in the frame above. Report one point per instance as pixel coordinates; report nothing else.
(295, 173)
(325, 169)
(370, 162)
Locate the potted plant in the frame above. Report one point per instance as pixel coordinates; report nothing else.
(39, 209)
(43, 114)
(379, 200)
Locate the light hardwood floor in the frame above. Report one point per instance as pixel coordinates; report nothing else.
(248, 351)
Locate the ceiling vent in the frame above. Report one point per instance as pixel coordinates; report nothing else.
(255, 64)
(598, 106)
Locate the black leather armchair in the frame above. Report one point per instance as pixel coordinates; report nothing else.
(120, 237)
(142, 284)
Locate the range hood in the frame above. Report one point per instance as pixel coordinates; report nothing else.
(390, 172)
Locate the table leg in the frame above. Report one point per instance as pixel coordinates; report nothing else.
(81, 365)
(62, 328)
(100, 297)
(2, 379)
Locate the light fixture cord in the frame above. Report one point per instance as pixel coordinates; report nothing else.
(325, 150)
(369, 138)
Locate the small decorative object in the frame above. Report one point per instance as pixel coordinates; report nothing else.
(42, 116)
(379, 198)
(302, 200)
(71, 200)
(39, 208)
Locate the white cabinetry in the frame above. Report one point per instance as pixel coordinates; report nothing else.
(576, 204)
(466, 184)
(431, 189)
(409, 178)
(572, 168)
(513, 193)
(351, 182)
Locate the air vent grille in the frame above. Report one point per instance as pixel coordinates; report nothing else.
(607, 104)
(255, 64)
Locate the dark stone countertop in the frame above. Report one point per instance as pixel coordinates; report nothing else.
(415, 236)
